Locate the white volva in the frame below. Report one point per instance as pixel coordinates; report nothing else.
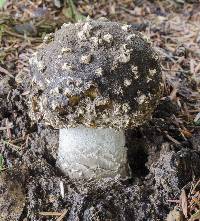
(89, 153)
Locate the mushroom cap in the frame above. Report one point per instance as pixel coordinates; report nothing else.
(95, 73)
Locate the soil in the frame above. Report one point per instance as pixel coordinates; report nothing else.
(164, 154)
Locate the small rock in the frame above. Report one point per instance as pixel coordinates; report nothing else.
(58, 3)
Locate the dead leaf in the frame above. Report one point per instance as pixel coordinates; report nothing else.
(183, 200)
(186, 133)
(175, 215)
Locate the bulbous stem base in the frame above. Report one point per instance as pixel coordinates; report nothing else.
(87, 153)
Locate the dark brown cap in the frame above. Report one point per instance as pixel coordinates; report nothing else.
(95, 73)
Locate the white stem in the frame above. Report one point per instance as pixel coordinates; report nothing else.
(87, 153)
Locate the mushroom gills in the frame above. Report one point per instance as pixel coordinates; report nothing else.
(89, 153)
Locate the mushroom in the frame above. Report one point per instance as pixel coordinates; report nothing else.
(93, 81)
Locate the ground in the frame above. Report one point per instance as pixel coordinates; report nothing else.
(164, 154)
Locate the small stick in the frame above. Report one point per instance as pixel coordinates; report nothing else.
(197, 117)
(173, 201)
(172, 139)
(50, 213)
(194, 111)
(172, 70)
(37, 40)
(17, 148)
(195, 186)
(3, 70)
(63, 215)
(9, 134)
(62, 190)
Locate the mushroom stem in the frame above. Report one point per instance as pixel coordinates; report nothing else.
(88, 153)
